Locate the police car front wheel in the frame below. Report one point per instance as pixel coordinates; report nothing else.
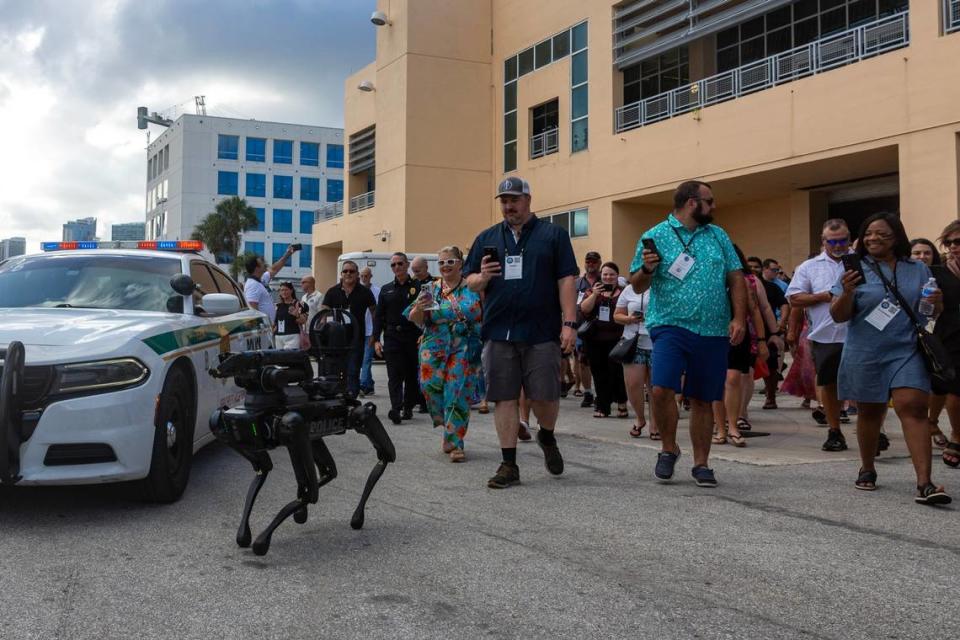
(172, 440)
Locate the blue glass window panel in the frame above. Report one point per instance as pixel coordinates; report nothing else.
(581, 223)
(310, 154)
(283, 220)
(256, 149)
(334, 190)
(578, 74)
(510, 69)
(309, 188)
(261, 219)
(227, 147)
(510, 97)
(257, 185)
(579, 100)
(335, 156)
(561, 45)
(279, 248)
(227, 183)
(283, 151)
(510, 126)
(253, 247)
(283, 187)
(509, 156)
(580, 37)
(526, 61)
(306, 257)
(306, 222)
(578, 135)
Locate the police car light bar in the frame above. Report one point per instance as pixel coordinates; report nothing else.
(156, 245)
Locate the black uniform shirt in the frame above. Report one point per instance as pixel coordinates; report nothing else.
(388, 319)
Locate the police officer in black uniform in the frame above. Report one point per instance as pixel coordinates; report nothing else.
(400, 336)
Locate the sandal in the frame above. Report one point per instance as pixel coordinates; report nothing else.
(600, 414)
(457, 455)
(578, 393)
(866, 480)
(737, 440)
(951, 455)
(743, 424)
(637, 430)
(622, 411)
(655, 436)
(939, 440)
(931, 494)
(719, 437)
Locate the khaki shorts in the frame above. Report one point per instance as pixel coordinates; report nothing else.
(511, 366)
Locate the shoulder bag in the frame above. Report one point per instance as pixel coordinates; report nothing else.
(935, 355)
(626, 348)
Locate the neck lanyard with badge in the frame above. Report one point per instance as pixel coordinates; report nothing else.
(685, 261)
(513, 269)
(884, 312)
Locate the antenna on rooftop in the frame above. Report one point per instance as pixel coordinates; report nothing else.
(201, 105)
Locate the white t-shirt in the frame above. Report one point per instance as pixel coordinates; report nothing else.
(313, 301)
(817, 275)
(256, 291)
(634, 303)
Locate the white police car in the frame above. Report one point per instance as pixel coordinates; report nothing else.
(105, 352)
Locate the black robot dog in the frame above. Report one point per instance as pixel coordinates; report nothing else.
(287, 406)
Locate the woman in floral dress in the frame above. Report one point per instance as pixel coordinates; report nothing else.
(450, 375)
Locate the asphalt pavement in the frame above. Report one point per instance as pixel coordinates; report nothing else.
(783, 549)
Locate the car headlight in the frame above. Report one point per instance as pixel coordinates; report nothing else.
(103, 375)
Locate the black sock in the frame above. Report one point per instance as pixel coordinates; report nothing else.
(546, 436)
(509, 455)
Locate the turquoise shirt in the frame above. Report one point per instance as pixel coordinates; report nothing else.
(699, 302)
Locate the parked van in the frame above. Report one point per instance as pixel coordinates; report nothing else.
(379, 263)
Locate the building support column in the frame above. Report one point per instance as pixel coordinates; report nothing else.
(929, 193)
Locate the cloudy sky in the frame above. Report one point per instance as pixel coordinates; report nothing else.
(73, 72)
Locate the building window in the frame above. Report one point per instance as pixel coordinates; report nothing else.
(256, 185)
(227, 147)
(283, 220)
(256, 150)
(255, 248)
(227, 183)
(334, 190)
(261, 219)
(283, 151)
(306, 257)
(279, 248)
(544, 123)
(579, 97)
(309, 188)
(166, 157)
(335, 156)
(306, 222)
(310, 154)
(656, 75)
(575, 222)
(283, 187)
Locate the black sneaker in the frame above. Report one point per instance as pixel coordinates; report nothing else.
(819, 416)
(587, 399)
(394, 416)
(883, 443)
(507, 474)
(408, 414)
(552, 459)
(844, 418)
(835, 441)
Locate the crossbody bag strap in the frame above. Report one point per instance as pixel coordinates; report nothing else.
(896, 294)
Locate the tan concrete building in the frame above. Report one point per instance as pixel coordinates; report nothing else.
(795, 110)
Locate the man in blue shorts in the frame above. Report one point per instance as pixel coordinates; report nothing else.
(693, 274)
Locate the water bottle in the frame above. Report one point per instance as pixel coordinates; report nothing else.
(926, 307)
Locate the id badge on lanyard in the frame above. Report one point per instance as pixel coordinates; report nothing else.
(681, 266)
(883, 313)
(513, 270)
(603, 313)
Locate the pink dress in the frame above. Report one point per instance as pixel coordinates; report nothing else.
(801, 380)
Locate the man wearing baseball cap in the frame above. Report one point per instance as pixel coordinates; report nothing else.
(526, 267)
(591, 275)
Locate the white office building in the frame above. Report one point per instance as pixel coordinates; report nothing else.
(285, 171)
(11, 247)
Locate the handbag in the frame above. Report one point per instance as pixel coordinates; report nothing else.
(625, 350)
(585, 328)
(935, 355)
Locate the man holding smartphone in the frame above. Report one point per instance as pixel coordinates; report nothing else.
(526, 267)
(258, 277)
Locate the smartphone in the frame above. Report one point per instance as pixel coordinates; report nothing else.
(608, 287)
(296, 246)
(492, 253)
(650, 245)
(851, 262)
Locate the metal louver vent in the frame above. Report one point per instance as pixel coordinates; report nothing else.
(362, 147)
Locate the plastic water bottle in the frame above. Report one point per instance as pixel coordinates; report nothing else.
(926, 307)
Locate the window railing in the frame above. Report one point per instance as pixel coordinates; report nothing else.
(328, 212)
(362, 201)
(821, 55)
(544, 143)
(951, 16)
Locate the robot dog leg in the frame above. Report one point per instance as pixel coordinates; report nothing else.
(364, 420)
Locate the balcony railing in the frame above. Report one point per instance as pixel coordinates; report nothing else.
(951, 16)
(328, 211)
(362, 201)
(544, 143)
(821, 55)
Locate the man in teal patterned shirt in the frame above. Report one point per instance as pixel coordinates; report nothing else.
(693, 274)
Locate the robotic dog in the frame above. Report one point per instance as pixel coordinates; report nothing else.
(286, 406)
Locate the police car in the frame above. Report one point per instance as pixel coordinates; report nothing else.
(105, 351)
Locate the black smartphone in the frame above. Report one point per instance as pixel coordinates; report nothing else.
(650, 245)
(492, 253)
(851, 262)
(608, 287)
(296, 246)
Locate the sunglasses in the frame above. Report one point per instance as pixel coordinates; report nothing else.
(837, 242)
(397, 264)
(449, 262)
(348, 271)
(951, 242)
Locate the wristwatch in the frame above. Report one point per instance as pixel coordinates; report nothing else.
(571, 324)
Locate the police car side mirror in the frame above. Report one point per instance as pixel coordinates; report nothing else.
(183, 284)
(220, 304)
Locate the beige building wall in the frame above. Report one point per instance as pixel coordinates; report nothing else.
(773, 156)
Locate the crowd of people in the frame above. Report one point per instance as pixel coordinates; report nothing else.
(691, 326)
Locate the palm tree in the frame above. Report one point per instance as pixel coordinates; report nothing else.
(221, 229)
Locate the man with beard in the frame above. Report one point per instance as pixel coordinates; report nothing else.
(591, 274)
(689, 269)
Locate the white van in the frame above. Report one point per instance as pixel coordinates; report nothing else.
(379, 263)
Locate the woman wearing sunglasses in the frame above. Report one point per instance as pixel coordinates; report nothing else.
(948, 330)
(450, 314)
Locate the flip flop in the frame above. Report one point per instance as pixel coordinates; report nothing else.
(637, 430)
(866, 481)
(656, 436)
(951, 451)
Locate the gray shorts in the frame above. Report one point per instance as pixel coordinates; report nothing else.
(512, 366)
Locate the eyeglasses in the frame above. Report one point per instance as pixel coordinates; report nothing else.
(348, 271)
(397, 264)
(449, 262)
(951, 242)
(835, 242)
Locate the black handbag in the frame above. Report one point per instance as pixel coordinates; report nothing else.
(625, 350)
(935, 355)
(585, 328)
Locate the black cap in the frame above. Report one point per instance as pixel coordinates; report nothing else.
(593, 255)
(513, 186)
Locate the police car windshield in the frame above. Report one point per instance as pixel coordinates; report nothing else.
(136, 283)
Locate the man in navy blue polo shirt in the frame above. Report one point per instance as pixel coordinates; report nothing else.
(526, 268)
